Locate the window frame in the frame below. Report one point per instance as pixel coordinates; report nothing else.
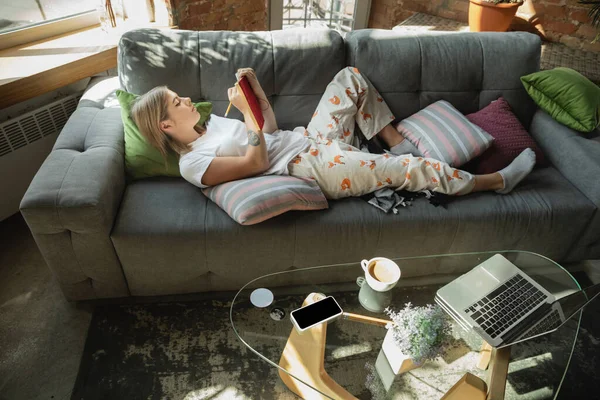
(45, 30)
(362, 9)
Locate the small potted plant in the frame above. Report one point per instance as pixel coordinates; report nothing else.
(492, 15)
(415, 335)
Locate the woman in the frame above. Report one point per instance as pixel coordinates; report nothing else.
(227, 149)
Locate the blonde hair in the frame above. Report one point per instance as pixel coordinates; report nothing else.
(147, 112)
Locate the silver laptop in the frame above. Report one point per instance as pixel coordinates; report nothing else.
(496, 299)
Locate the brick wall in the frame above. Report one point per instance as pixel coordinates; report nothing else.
(564, 21)
(234, 15)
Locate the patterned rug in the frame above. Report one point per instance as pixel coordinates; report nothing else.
(187, 350)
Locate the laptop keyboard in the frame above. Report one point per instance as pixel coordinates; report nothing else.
(505, 305)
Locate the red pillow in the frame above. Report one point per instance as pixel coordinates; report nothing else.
(510, 137)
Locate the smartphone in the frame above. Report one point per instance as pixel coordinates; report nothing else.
(313, 314)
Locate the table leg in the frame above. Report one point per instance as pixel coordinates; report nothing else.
(485, 356)
(469, 387)
(497, 373)
(304, 358)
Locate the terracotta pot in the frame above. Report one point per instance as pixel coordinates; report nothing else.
(490, 17)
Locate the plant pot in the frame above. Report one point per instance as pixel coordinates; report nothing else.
(490, 17)
(399, 361)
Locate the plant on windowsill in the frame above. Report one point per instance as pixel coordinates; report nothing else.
(492, 15)
(594, 15)
(415, 335)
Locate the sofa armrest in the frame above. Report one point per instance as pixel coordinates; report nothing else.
(577, 156)
(72, 202)
(101, 92)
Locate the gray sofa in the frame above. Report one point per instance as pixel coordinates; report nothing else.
(104, 237)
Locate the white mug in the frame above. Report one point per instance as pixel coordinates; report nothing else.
(383, 276)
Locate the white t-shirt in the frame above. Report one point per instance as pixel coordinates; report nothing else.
(229, 137)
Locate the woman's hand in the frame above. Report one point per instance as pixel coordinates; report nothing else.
(237, 99)
(270, 121)
(253, 80)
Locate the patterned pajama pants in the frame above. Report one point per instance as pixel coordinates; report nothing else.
(342, 170)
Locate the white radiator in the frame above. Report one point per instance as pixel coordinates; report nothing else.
(25, 142)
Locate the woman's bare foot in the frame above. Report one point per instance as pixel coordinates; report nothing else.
(390, 136)
(484, 183)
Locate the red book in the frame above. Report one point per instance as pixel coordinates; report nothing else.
(252, 101)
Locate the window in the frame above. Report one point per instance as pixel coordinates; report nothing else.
(341, 15)
(22, 14)
(27, 21)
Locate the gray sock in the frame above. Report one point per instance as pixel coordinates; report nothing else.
(517, 170)
(405, 147)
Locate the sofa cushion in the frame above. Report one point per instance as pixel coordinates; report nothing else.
(565, 94)
(510, 137)
(205, 64)
(253, 200)
(440, 131)
(171, 239)
(544, 214)
(467, 69)
(153, 57)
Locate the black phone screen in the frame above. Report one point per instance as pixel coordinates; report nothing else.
(316, 312)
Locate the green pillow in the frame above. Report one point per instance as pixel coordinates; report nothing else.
(141, 159)
(565, 94)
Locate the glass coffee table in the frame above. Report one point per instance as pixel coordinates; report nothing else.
(341, 359)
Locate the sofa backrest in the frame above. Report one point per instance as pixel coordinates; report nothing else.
(294, 67)
(467, 69)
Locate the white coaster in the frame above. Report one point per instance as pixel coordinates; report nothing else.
(261, 297)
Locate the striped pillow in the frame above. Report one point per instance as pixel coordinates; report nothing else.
(440, 131)
(253, 200)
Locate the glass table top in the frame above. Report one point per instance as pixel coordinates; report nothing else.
(536, 366)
